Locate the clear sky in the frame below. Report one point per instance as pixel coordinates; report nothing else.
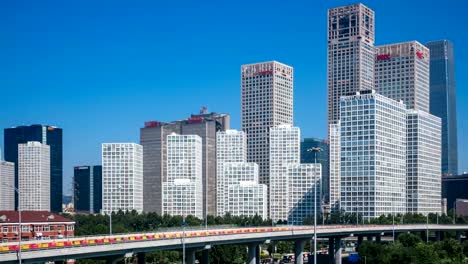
(99, 69)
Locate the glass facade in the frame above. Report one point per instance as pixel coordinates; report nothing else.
(49, 135)
(443, 101)
(307, 156)
(87, 187)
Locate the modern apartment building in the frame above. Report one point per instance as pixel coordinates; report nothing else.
(87, 189)
(350, 54)
(7, 185)
(44, 134)
(402, 73)
(423, 177)
(443, 100)
(153, 138)
(285, 143)
(122, 177)
(34, 176)
(373, 155)
(267, 101)
(335, 167)
(323, 157)
(231, 146)
(303, 189)
(183, 188)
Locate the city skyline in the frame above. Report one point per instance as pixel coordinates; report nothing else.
(100, 119)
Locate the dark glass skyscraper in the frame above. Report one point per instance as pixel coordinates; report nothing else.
(45, 134)
(87, 189)
(443, 101)
(322, 158)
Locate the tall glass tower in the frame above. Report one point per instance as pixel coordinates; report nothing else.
(443, 101)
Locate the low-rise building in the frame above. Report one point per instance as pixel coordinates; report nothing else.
(34, 225)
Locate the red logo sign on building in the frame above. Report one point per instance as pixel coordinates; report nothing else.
(383, 57)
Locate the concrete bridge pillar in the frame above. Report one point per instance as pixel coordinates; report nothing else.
(378, 238)
(113, 259)
(141, 258)
(359, 241)
(458, 235)
(205, 259)
(299, 251)
(337, 253)
(190, 256)
(253, 253)
(370, 238)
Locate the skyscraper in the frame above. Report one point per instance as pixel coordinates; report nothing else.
(402, 73)
(231, 146)
(335, 168)
(183, 188)
(285, 143)
(153, 139)
(44, 134)
(122, 177)
(303, 191)
(34, 176)
(7, 182)
(373, 155)
(443, 101)
(308, 156)
(267, 101)
(87, 188)
(423, 177)
(350, 54)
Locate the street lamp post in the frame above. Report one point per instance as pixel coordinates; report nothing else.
(315, 150)
(183, 239)
(454, 210)
(19, 220)
(111, 210)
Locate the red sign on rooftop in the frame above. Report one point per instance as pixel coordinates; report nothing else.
(264, 72)
(195, 120)
(383, 57)
(152, 124)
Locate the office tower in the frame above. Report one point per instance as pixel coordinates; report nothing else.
(122, 177)
(34, 176)
(402, 73)
(7, 184)
(335, 162)
(284, 149)
(153, 139)
(44, 134)
(373, 155)
(303, 189)
(87, 188)
(443, 101)
(183, 188)
(247, 198)
(423, 178)
(267, 101)
(231, 146)
(308, 156)
(350, 54)
(244, 196)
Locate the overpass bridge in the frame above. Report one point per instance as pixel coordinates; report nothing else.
(114, 247)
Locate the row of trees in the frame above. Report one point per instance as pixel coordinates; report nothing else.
(409, 248)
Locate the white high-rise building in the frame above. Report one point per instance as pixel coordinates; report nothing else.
(402, 73)
(244, 195)
(231, 146)
(423, 162)
(247, 198)
(7, 185)
(373, 155)
(303, 189)
(34, 176)
(267, 101)
(122, 177)
(285, 143)
(183, 187)
(335, 161)
(350, 54)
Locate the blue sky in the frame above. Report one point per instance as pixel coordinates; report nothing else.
(99, 69)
